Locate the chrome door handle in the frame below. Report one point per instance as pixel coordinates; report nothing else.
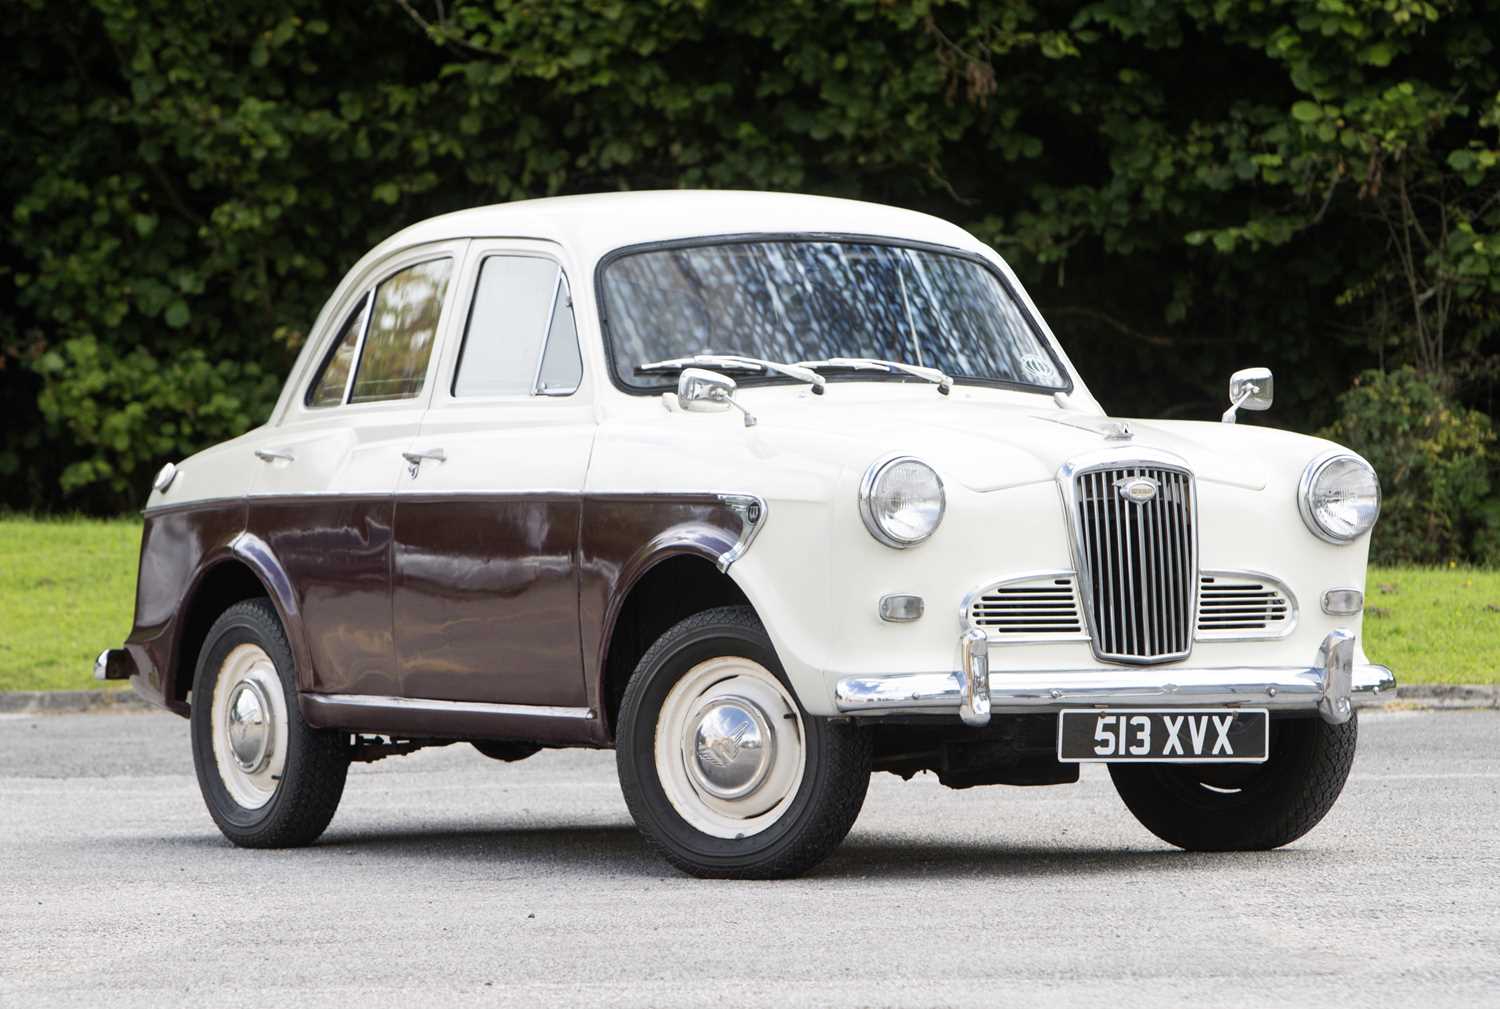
(415, 458)
(273, 454)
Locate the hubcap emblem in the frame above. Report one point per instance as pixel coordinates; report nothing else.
(732, 748)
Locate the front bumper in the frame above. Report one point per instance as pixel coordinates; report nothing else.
(1332, 686)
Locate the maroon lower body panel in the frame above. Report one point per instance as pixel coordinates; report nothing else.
(485, 598)
(177, 545)
(336, 554)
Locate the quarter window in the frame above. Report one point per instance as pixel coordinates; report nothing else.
(328, 390)
(402, 330)
(520, 337)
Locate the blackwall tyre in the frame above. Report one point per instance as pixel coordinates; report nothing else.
(1244, 807)
(724, 773)
(268, 778)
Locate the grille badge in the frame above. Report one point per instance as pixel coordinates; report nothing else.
(1137, 489)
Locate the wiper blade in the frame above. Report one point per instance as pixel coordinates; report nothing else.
(943, 382)
(798, 372)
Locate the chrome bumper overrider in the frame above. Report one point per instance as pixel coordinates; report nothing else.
(1333, 685)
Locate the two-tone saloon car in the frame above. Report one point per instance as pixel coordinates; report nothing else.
(766, 492)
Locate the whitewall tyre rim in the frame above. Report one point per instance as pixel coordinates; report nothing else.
(730, 747)
(248, 726)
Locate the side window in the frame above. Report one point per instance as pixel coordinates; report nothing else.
(402, 329)
(518, 300)
(328, 390)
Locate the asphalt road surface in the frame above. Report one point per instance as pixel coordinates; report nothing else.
(447, 878)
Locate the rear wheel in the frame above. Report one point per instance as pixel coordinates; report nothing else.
(269, 779)
(1244, 807)
(723, 771)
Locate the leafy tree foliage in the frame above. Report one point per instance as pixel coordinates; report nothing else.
(1308, 184)
(1434, 461)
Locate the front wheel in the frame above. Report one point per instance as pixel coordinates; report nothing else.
(1244, 807)
(269, 779)
(723, 771)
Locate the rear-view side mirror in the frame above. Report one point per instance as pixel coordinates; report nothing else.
(1251, 388)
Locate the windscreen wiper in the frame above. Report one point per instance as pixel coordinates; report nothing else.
(944, 383)
(732, 361)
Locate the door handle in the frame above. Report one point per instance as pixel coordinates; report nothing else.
(415, 458)
(273, 454)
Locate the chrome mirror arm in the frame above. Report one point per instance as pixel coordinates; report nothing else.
(1229, 415)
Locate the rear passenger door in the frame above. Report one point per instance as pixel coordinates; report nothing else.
(485, 579)
(322, 497)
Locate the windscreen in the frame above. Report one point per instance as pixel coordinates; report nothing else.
(803, 300)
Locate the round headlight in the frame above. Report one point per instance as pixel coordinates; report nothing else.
(1339, 497)
(901, 501)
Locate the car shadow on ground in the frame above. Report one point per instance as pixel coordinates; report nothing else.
(618, 850)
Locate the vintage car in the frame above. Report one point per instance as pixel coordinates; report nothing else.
(766, 492)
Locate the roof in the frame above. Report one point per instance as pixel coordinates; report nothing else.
(591, 226)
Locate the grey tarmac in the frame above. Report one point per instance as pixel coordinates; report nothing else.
(448, 879)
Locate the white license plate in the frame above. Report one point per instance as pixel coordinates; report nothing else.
(1164, 735)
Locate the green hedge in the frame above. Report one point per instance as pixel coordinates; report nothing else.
(1186, 188)
(1434, 459)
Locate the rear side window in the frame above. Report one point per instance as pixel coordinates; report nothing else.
(403, 327)
(520, 338)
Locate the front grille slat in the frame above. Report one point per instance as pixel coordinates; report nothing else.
(1140, 562)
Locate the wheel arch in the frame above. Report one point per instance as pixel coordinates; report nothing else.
(666, 588)
(245, 570)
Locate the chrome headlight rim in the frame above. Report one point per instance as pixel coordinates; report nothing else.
(1309, 480)
(867, 510)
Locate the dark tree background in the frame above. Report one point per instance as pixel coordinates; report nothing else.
(1185, 187)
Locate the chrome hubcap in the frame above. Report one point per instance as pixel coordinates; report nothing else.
(249, 726)
(733, 747)
(729, 747)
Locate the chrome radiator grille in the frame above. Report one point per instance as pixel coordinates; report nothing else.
(1138, 561)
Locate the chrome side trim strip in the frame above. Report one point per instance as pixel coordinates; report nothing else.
(378, 703)
(528, 492)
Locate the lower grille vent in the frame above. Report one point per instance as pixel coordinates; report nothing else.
(1033, 608)
(1241, 604)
